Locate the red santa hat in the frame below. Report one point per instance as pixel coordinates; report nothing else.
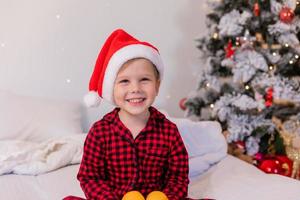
(117, 50)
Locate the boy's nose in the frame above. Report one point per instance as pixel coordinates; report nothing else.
(135, 87)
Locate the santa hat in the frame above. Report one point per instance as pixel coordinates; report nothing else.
(117, 50)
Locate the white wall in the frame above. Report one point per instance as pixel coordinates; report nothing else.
(48, 48)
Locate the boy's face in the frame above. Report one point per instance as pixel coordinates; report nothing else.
(136, 86)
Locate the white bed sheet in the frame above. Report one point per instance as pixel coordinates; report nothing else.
(231, 179)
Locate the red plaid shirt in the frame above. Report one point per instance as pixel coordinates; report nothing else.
(114, 162)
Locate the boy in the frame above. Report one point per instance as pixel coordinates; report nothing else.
(134, 147)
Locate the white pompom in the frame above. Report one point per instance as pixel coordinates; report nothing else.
(92, 99)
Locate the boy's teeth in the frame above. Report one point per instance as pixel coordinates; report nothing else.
(135, 100)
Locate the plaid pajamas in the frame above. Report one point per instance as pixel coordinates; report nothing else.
(114, 162)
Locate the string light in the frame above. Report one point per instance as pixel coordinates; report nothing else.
(68, 80)
(271, 67)
(207, 85)
(274, 53)
(215, 35)
(247, 87)
(57, 16)
(291, 61)
(286, 45)
(296, 56)
(212, 105)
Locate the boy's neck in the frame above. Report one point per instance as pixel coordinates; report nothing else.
(135, 123)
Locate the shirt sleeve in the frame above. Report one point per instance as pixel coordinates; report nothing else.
(177, 174)
(91, 173)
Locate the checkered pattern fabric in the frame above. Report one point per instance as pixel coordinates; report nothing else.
(114, 162)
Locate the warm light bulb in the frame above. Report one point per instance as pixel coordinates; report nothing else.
(291, 62)
(286, 45)
(296, 56)
(212, 105)
(271, 67)
(207, 84)
(68, 80)
(215, 35)
(247, 87)
(274, 53)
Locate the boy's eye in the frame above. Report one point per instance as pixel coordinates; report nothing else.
(123, 81)
(145, 79)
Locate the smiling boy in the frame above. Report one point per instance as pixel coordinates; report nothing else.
(134, 147)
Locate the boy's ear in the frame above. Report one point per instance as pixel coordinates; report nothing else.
(157, 86)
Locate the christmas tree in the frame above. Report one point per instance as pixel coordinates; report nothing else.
(250, 81)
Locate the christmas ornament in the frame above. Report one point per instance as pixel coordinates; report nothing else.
(269, 97)
(278, 164)
(286, 15)
(286, 131)
(229, 50)
(286, 165)
(256, 9)
(240, 144)
(270, 166)
(258, 157)
(133, 195)
(182, 103)
(157, 195)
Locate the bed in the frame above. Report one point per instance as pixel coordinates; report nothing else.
(41, 146)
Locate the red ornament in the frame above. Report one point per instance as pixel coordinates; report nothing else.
(278, 164)
(286, 15)
(240, 144)
(286, 165)
(229, 50)
(182, 103)
(269, 97)
(258, 157)
(270, 166)
(256, 9)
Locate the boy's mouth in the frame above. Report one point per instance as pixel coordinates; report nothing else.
(136, 100)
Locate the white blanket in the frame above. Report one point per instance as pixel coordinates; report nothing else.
(30, 158)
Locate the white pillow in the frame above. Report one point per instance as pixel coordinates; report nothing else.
(201, 137)
(37, 119)
(204, 143)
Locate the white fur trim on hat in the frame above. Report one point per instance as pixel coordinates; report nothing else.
(92, 99)
(123, 55)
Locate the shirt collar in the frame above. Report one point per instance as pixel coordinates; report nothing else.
(154, 114)
(155, 117)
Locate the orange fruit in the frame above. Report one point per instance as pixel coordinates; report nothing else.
(157, 195)
(133, 195)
